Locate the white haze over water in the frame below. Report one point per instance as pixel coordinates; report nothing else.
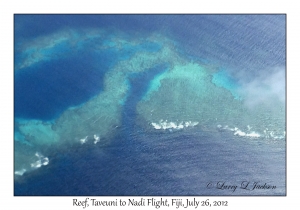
(266, 88)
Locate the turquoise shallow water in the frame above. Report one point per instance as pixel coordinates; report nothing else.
(139, 110)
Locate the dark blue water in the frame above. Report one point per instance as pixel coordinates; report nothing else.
(136, 162)
(46, 90)
(170, 164)
(230, 40)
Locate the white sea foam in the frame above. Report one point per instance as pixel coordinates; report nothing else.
(20, 172)
(239, 133)
(38, 155)
(45, 161)
(42, 161)
(84, 140)
(163, 125)
(274, 135)
(96, 138)
(253, 134)
(36, 164)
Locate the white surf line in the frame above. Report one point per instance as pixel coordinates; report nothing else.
(238, 132)
(84, 140)
(163, 125)
(96, 138)
(20, 172)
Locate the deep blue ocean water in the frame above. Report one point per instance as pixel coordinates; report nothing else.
(174, 164)
(45, 91)
(136, 162)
